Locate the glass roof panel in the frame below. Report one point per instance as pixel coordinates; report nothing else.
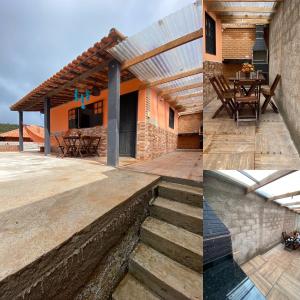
(237, 176)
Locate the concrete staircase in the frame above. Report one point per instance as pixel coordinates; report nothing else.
(167, 262)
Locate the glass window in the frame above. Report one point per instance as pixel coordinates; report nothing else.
(171, 118)
(210, 34)
(91, 116)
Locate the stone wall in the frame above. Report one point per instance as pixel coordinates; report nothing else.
(284, 50)
(87, 266)
(153, 141)
(93, 131)
(255, 224)
(210, 69)
(5, 147)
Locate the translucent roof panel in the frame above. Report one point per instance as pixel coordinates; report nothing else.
(237, 176)
(289, 200)
(260, 174)
(177, 60)
(286, 184)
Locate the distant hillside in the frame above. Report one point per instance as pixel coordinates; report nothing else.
(7, 127)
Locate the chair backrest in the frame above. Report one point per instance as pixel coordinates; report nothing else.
(275, 83)
(217, 87)
(57, 140)
(224, 82)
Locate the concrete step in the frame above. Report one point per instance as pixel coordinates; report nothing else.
(165, 277)
(132, 289)
(179, 214)
(182, 193)
(177, 243)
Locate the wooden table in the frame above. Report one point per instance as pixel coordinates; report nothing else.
(249, 84)
(80, 145)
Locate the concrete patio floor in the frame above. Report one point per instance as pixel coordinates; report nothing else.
(226, 146)
(44, 201)
(179, 164)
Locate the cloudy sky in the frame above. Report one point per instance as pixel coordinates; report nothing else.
(39, 37)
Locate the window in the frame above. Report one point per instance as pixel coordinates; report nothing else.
(171, 118)
(210, 34)
(91, 116)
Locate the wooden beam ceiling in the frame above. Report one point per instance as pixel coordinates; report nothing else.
(286, 195)
(175, 77)
(166, 47)
(181, 88)
(275, 176)
(244, 21)
(188, 96)
(244, 9)
(290, 204)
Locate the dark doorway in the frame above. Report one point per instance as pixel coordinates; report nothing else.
(128, 121)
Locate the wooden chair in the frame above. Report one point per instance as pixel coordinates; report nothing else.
(241, 100)
(225, 84)
(94, 145)
(61, 148)
(224, 97)
(268, 93)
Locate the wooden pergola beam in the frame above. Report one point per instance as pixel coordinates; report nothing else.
(244, 17)
(286, 195)
(246, 21)
(166, 47)
(275, 176)
(181, 88)
(178, 98)
(242, 9)
(175, 77)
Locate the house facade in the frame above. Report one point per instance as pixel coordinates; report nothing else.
(148, 123)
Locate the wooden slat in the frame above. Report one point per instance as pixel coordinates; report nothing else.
(268, 180)
(175, 77)
(166, 47)
(188, 96)
(181, 88)
(286, 195)
(245, 21)
(242, 9)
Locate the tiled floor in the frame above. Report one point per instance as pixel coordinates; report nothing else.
(226, 146)
(181, 164)
(276, 273)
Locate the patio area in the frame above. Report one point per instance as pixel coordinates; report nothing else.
(266, 146)
(179, 164)
(250, 95)
(276, 273)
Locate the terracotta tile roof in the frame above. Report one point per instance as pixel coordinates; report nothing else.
(34, 132)
(72, 74)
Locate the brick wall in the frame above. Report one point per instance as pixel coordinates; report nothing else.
(238, 42)
(284, 50)
(153, 141)
(255, 224)
(210, 69)
(189, 123)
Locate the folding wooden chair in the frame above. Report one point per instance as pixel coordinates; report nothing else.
(251, 100)
(61, 148)
(224, 97)
(94, 145)
(225, 84)
(268, 93)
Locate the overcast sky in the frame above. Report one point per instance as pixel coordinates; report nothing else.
(39, 37)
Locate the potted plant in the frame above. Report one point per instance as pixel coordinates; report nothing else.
(247, 69)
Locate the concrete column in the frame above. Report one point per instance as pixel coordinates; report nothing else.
(47, 126)
(113, 113)
(21, 146)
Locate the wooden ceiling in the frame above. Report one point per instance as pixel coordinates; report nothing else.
(248, 12)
